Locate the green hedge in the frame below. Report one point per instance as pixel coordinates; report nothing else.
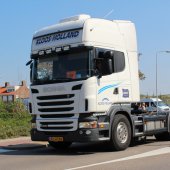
(14, 120)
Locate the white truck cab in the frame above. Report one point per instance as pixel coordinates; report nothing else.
(84, 74)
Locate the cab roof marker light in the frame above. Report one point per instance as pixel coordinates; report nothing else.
(53, 48)
(65, 48)
(35, 52)
(74, 45)
(41, 53)
(58, 49)
(48, 51)
(81, 45)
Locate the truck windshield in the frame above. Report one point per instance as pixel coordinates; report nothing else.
(62, 67)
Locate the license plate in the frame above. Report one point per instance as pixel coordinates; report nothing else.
(56, 139)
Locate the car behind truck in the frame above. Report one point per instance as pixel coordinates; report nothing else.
(84, 77)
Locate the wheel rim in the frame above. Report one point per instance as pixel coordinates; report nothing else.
(122, 132)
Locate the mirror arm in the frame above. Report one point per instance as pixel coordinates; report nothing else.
(29, 62)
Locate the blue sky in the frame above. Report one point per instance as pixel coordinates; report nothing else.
(19, 19)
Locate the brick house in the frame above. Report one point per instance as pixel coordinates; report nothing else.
(11, 93)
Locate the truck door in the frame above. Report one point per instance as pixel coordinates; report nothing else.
(107, 81)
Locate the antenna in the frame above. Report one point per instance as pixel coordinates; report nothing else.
(109, 13)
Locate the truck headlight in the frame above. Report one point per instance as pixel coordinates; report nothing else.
(89, 125)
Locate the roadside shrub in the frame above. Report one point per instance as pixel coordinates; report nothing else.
(2, 106)
(14, 120)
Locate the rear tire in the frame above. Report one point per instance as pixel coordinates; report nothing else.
(60, 145)
(121, 133)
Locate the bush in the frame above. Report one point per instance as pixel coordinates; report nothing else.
(2, 106)
(14, 120)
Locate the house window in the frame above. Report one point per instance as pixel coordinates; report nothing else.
(10, 98)
(4, 98)
(10, 90)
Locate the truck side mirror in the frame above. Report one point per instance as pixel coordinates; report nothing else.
(104, 63)
(110, 65)
(31, 72)
(109, 55)
(98, 67)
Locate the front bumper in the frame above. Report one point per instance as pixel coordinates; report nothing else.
(74, 136)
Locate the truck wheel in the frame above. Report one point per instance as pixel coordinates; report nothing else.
(163, 136)
(59, 145)
(121, 133)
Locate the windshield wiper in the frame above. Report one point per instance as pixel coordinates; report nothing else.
(57, 80)
(61, 78)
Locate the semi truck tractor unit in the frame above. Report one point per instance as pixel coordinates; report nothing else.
(84, 85)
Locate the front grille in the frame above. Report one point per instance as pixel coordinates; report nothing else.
(64, 109)
(65, 96)
(56, 113)
(55, 103)
(57, 125)
(56, 128)
(54, 116)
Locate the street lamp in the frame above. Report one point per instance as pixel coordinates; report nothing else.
(158, 52)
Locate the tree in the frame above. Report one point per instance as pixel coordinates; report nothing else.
(141, 75)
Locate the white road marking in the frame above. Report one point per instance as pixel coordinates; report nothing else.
(5, 150)
(142, 155)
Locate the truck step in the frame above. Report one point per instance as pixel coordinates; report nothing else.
(139, 134)
(104, 139)
(138, 122)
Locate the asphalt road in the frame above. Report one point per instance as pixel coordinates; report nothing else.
(150, 155)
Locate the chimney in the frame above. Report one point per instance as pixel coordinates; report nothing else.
(6, 84)
(23, 83)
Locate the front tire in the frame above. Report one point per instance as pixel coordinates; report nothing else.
(121, 133)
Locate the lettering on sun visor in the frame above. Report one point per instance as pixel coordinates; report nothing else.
(57, 37)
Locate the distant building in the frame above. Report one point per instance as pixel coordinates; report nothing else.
(11, 93)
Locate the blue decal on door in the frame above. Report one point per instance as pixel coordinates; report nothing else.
(108, 87)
